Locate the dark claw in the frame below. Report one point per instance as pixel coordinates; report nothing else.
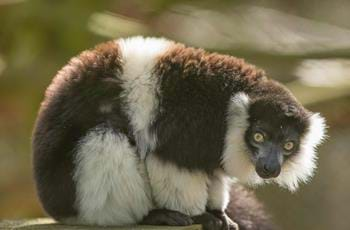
(166, 217)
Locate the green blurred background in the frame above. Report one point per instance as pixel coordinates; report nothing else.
(305, 44)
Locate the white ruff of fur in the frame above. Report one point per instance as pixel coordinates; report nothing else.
(301, 167)
(177, 189)
(110, 181)
(139, 56)
(235, 158)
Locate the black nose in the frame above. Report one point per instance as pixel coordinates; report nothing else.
(271, 169)
(268, 169)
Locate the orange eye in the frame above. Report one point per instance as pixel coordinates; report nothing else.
(259, 137)
(288, 145)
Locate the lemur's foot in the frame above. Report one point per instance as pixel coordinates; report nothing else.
(227, 223)
(208, 221)
(166, 217)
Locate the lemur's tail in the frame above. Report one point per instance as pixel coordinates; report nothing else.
(247, 211)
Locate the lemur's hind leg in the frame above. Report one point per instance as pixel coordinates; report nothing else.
(110, 181)
(179, 194)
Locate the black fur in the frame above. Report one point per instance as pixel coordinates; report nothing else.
(195, 90)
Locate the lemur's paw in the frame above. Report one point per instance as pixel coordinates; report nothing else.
(166, 217)
(227, 223)
(208, 221)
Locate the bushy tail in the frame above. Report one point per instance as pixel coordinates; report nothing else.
(245, 209)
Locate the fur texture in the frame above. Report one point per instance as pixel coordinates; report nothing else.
(111, 186)
(140, 85)
(178, 111)
(301, 167)
(177, 189)
(195, 91)
(247, 211)
(219, 191)
(69, 110)
(235, 159)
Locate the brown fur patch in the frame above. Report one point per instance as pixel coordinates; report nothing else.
(198, 61)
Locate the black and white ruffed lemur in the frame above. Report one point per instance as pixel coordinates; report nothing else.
(146, 130)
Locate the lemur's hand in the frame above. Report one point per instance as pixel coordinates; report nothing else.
(166, 217)
(215, 220)
(227, 223)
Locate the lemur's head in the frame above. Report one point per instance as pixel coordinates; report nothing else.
(274, 135)
(271, 138)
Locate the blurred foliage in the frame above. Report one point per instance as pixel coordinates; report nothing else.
(301, 43)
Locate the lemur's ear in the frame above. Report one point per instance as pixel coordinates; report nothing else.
(301, 167)
(290, 110)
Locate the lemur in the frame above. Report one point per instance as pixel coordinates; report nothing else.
(147, 130)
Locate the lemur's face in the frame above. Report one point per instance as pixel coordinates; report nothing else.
(273, 137)
(271, 140)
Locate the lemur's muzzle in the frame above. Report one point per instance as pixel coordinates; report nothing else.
(268, 167)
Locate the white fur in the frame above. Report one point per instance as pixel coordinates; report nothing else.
(139, 56)
(219, 191)
(236, 157)
(301, 167)
(177, 189)
(111, 184)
